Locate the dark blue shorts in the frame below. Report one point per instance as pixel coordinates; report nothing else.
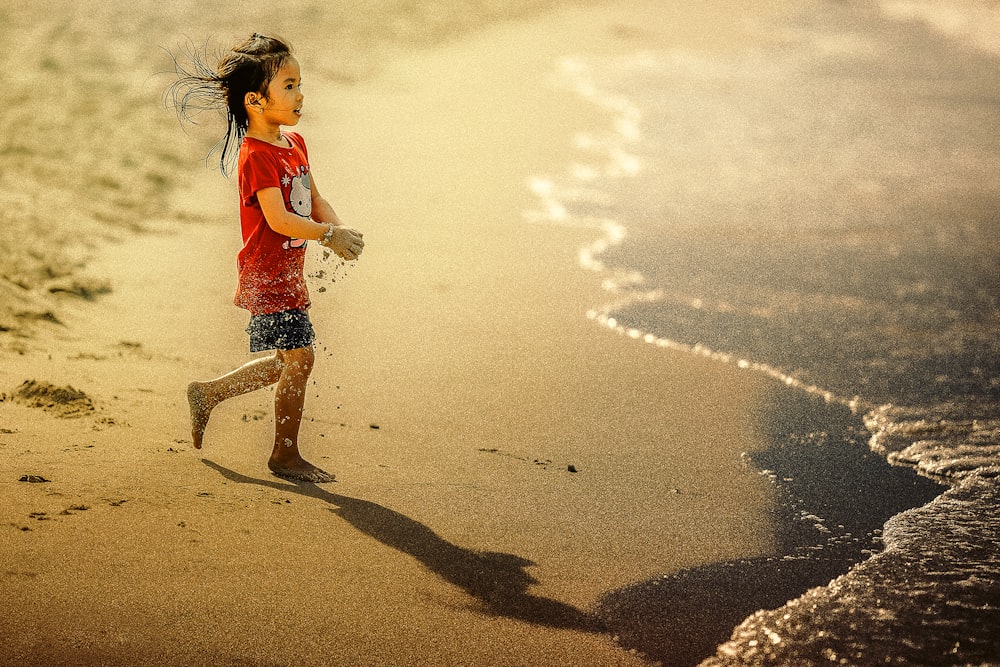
(287, 330)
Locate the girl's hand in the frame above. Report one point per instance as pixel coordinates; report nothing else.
(344, 241)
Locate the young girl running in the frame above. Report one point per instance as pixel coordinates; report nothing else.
(259, 84)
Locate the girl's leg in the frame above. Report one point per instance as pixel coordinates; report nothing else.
(289, 400)
(204, 396)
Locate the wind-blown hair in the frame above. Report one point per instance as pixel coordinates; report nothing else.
(246, 68)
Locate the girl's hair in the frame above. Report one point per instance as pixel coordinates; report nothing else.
(246, 68)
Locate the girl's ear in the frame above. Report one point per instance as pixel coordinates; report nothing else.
(252, 99)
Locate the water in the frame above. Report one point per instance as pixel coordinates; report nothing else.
(826, 212)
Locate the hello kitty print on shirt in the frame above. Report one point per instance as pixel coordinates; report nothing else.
(299, 198)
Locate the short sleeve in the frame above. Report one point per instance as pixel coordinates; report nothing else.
(259, 170)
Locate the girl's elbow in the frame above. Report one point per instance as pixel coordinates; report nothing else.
(281, 226)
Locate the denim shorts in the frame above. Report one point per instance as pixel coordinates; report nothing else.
(287, 330)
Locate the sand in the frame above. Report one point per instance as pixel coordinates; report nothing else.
(503, 461)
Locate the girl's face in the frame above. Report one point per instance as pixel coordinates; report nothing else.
(283, 104)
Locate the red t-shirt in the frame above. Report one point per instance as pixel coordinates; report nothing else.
(271, 264)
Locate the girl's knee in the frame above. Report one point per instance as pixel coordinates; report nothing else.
(301, 359)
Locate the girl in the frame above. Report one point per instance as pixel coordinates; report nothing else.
(259, 84)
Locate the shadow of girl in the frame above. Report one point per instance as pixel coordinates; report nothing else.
(497, 580)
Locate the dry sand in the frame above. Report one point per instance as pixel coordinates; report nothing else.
(458, 380)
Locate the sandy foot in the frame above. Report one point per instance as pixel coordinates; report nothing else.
(300, 471)
(200, 411)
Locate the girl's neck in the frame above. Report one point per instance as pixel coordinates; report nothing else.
(270, 135)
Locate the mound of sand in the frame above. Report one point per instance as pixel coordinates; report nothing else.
(60, 401)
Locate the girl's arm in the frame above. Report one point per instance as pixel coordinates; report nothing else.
(283, 221)
(344, 241)
(325, 227)
(322, 211)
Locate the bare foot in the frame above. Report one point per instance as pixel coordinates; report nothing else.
(300, 470)
(200, 411)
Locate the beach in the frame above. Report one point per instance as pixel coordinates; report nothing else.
(496, 477)
(548, 451)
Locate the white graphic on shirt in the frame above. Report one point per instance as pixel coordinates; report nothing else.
(301, 196)
(300, 199)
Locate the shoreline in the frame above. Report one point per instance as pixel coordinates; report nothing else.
(458, 531)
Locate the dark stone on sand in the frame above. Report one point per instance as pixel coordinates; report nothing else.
(33, 479)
